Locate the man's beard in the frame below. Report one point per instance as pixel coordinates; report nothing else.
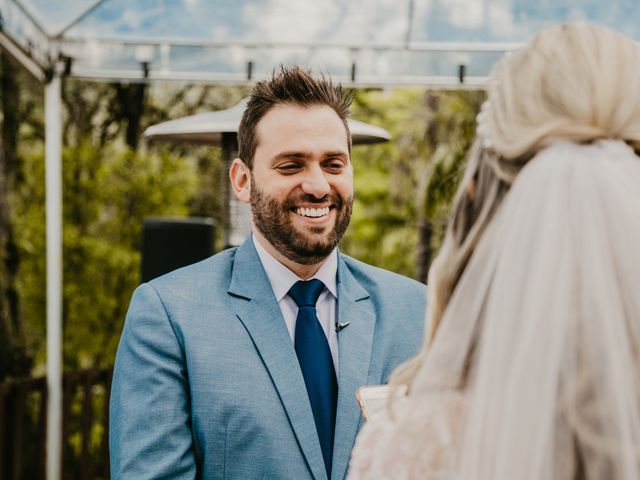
(273, 220)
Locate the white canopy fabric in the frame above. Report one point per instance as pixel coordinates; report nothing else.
(364, 42)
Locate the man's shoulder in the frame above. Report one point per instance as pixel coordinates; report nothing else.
(210, 272)
(399, 302)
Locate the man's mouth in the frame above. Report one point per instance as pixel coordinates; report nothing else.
(313, 212)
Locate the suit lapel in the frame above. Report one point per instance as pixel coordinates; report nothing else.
(258, 310)
(354, 346)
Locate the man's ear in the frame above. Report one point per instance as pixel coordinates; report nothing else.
(240, 177)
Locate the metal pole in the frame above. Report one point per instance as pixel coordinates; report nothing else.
(239, 219)
(53, 200)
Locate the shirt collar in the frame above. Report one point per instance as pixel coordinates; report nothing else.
(282, 279)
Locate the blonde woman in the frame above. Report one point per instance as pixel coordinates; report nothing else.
(531, 369)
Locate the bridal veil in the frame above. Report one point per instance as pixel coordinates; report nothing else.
(547, 319)
(531, 368)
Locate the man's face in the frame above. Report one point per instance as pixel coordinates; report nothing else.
(302, 181)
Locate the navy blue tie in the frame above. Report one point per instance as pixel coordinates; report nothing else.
(316, 363)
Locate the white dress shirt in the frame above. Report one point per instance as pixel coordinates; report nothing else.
(282, 279)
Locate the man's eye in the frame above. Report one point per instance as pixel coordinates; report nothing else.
(334, 165)
(288, 167)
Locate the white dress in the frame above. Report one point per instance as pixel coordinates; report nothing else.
(387, 448)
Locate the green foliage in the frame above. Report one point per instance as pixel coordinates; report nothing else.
(450, 133)
(103, 220)
(382, 231)
(108, 190)
(17, 109)
(406, 186)
(403, 189)
(107, 194)
(29, 221)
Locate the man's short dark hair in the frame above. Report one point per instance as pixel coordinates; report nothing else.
(289, 85)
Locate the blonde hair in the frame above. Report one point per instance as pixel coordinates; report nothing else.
(575, 82)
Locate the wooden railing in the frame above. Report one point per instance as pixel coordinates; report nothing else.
(85, 426)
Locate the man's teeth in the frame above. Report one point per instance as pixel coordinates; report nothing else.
(313, 212)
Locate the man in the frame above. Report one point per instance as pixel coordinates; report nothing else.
(225, 369)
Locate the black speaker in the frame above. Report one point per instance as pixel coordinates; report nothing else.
(170, 243)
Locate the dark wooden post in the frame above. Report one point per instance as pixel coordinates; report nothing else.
(4, 430)
(18, 430)
(86, 421)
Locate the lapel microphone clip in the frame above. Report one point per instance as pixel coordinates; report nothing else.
(341, 325)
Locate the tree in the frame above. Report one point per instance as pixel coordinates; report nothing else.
(404, 188)
(16, 107)
(110, 185)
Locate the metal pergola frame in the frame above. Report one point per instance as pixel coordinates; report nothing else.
(162, 48)
(150, 57)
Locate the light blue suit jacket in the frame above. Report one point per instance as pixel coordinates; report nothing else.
(207, 383)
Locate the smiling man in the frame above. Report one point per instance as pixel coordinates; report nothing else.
(246, 365)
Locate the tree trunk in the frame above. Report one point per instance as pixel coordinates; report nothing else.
(131, 99)
(423, 250)
(13, 357)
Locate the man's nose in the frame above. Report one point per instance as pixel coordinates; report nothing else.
(315, 183)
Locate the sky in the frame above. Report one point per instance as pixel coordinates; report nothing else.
(328, 21)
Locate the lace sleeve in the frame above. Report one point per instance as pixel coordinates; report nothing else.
(416, 438)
